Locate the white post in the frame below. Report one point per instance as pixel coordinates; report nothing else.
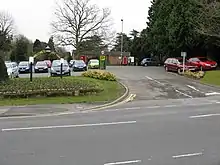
(183, 54)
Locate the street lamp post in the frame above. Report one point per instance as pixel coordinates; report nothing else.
(122, 22)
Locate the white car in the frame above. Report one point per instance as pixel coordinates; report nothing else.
(12, 69)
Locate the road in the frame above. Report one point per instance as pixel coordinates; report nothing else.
(151, 130)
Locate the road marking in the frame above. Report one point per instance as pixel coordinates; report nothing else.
(149, 78)
(188, 155)
(212, 93)
(67, 126)
(202, 116)
(192, 87)
(183, 93)
(152, 107)
(133, 108)
(170, 106)
(125, 162)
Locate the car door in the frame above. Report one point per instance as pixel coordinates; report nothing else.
(171, 65)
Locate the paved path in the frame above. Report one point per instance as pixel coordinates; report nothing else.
(153, 83)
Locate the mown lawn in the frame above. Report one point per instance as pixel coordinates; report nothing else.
(212, 77)
(112, 90)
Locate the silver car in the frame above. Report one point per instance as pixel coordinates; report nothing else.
(12, 69)
(56, 68)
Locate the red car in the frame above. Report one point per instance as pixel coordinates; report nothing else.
(203, 63)
(176, 65)
(48, 62)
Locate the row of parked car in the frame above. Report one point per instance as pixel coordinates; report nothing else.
(54, 67)
(176, 64)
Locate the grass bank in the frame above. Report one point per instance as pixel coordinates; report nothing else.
(212, 77)
(111, 91)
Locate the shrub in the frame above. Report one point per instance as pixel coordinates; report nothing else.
(195, 75)
(3, 70)
(48, 87)
(100, 74)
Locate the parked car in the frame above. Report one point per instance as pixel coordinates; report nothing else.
(48, 62)
(41, 67)
(24, 67)
(203, 63)
(93, 64)
(12, 69)
(56, 68)
(176, 65)
(79, 65)
(71, 63)
(149, 62)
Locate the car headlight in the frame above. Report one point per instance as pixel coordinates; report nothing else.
(36, 67)
(207, 65)
(45, 67)
(52, 69)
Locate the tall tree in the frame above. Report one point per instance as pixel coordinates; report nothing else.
(21, 49)
(6, 30)
(126, 43)
(37, 46)
(79, 19)
(51, 44)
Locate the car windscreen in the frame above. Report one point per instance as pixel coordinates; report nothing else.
(79, 63)
(23, 64)
(41, 64)
(203, 59)
(57, 63)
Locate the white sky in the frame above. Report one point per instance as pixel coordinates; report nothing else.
(33, 17)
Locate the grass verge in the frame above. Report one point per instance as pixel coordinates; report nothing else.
(212, 77)
(112, 90)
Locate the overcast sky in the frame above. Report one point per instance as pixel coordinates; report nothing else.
(33, 17)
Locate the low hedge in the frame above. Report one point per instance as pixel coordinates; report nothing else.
(194, 75)
(100, 74)
(48, 87)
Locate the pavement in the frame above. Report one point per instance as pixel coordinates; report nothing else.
(160, 127)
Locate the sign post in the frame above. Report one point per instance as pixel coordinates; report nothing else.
(61, 67)
(102, 60)
(183, 54)
(31, 61)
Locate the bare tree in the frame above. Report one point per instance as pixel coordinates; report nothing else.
(6, 30)
(77, 20)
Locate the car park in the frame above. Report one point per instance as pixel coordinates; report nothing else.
(79, 65)
(24, 67)
(56, 68)
(41, 67)
(93, 64)
(12, 69)
(176, 65)
(203, 63)
(149, 62)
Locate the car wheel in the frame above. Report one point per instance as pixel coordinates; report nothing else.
(51, 75)
(145, 64)
(166, 68)
(179, 71)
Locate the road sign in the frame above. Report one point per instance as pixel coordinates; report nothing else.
(31, 59)
(183, 54)
(102, 58)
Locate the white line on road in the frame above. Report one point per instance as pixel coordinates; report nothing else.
(188, 155)
(183, 93)
(125, 162)
(202, 116)
(192, 87)
(67, 126)
(212, 93)
(149, 78)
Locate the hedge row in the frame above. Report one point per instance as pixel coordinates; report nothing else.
(48, 87)
(100, 74)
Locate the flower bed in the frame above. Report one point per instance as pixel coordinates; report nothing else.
(194, 75)
(48, 87)
(100, 74)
